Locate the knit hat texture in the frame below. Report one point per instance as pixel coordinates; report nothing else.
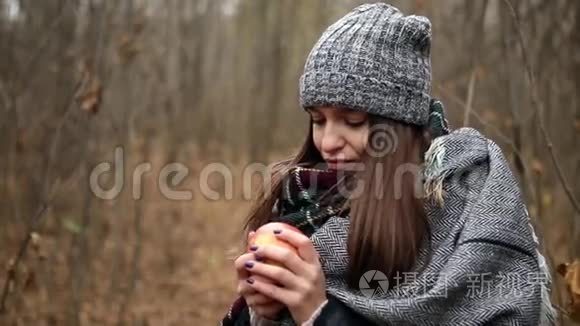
(374, 59)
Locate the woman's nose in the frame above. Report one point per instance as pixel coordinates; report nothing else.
(332, 141)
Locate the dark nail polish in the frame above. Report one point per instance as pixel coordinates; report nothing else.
(250, 280)
(254, 248)
(259, 258)
(249, 264)
(277, 231)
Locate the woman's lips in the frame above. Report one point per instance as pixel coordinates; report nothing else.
(340, 164)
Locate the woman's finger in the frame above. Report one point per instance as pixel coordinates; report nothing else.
(285, 296)
(244, 289)
(299, 241)
(258, 298)
(283, 256)
(239, 264)
(279, 274)
(269, 310)
(250, 294)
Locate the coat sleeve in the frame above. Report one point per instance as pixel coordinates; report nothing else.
(237, 315)
(333, 313)
(336, 313)
(257, 320)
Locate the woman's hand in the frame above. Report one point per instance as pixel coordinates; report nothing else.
(303, 285)
(260, 303)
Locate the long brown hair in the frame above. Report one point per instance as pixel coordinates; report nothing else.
(387, 221)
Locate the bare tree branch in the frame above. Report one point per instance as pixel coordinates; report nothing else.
(539, 106)
(48, 192)
(470, 92)
(11, 272)
(455, 98)
(4, 97)
(499, 134)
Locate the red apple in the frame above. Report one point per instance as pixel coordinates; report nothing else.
(265, 236)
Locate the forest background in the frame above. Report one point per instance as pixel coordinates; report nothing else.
(205, 82)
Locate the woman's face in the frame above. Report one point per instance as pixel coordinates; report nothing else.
(339, 134)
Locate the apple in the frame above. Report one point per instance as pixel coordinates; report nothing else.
(264, 235)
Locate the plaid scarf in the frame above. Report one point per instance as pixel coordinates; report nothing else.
(310, 196)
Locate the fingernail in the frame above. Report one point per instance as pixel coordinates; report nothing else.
(277, 231)
(250, 280)
(254, 248)
(259, 258)
(249, 264)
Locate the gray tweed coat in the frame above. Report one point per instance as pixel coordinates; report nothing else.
(485, 266)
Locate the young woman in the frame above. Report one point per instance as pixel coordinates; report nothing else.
(402, 222)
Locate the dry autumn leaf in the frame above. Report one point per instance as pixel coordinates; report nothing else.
(419, 5)
(91, 99)
(90, 91)
(30, 281)
(571, 274)
(127, 49)
(34, 239)
(537, 167)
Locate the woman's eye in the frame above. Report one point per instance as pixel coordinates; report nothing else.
(356, 123)
(318, 122)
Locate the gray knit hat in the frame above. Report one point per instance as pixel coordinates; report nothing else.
(374, 59)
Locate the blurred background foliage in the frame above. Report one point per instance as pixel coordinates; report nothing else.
(206, 81)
